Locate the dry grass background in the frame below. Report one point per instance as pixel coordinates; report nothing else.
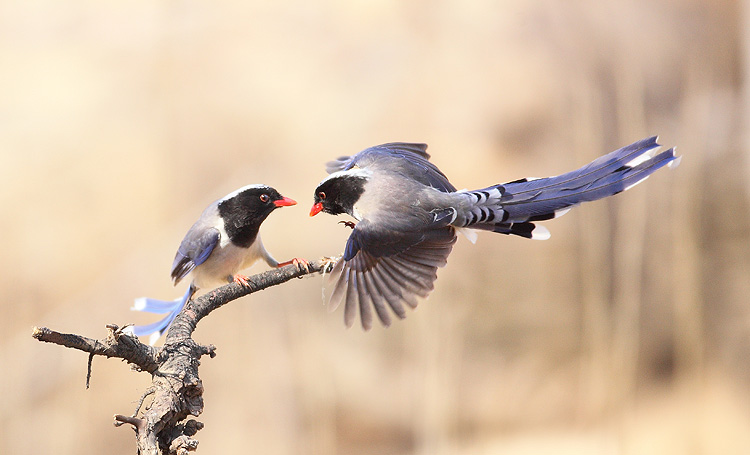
(626, 333)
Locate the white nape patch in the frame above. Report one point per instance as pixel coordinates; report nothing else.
(470, 234)
(240, 190)
(354, 172)
(223, 236)
(139, 304)
(641, 158)
(674, 163)
(540, 233)
(636, 183)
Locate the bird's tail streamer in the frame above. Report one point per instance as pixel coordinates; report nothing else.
(513, 207)
(169, 307)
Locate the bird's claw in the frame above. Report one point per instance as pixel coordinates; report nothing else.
(349, 224)
(302, 264)
(242, 280)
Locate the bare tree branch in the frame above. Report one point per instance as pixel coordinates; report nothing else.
(176, 388)
(115, 345)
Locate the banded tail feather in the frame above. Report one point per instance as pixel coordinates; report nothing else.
(513, 208)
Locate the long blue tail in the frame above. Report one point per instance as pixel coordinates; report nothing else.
(169, 307)
(513, 207)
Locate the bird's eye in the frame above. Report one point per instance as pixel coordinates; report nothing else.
(264, 198)
(321, 195)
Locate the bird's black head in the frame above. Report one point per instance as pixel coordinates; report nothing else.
(244, 210)
(338, 193)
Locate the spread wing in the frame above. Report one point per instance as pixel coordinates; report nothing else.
(384, 269)
(195, 248)
(412, 161)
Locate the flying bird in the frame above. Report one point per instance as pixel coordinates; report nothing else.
(408, 214)
(223, 241)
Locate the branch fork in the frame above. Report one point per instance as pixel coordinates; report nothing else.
(176, 388)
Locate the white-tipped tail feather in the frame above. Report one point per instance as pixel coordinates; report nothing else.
(515, 207)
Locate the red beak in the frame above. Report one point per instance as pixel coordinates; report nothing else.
(316, 208)
(284, 202)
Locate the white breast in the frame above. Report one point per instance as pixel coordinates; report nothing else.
(225, 261)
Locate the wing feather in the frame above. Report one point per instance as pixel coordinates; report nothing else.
(195, 248)
(390, 293)
(407, 290)
(339, 290)
(368, 281)
(418, 278)
(352, 299)
(376, 295)
(365, 303)
(413, 161)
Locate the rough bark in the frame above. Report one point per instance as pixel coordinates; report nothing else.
(176, 389)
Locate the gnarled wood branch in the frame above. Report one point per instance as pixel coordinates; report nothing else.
(177, 390)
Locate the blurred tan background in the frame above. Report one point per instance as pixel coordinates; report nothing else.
(628, 332)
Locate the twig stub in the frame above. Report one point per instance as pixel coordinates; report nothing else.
(176, 386)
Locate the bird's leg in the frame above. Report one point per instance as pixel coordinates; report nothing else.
(299, 262)
(349, 224)
(241, 280)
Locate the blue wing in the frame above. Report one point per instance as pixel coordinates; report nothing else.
(343, 163)
(379, 271)
(412, 160)
(195, 248)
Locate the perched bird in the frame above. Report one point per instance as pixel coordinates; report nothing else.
(223, 241)
(408, 214)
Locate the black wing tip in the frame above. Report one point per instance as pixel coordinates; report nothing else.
(181, 270)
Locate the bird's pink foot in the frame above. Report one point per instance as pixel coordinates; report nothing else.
(302, 264)
(349, 224)
(241, 280)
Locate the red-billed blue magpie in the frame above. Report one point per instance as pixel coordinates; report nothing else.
(408, 214)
